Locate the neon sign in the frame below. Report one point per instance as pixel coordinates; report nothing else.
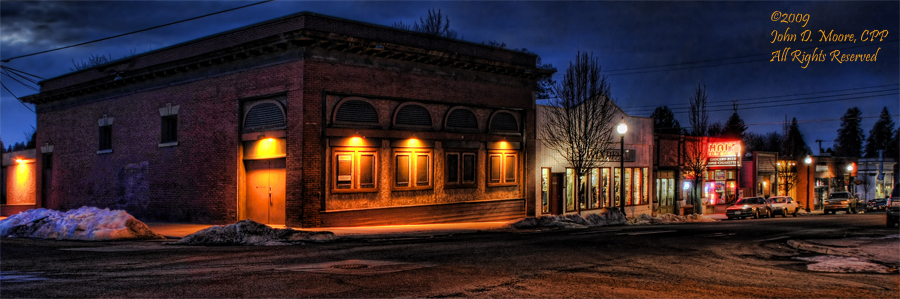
(724, 149)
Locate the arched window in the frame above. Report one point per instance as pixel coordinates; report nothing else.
(503, 121)
(263, 116)
(411, 114)
(355, 111)
(461, 118)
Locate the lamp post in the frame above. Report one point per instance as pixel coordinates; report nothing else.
(622, 128)
(808, 162)
(850, 178)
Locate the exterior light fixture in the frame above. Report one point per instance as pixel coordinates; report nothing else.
(260, 136)
(850, 167)
(622, 128)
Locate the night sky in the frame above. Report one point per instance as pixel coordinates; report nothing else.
(655, 53)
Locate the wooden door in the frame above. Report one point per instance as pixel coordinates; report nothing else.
(265, 191)
(556, 193)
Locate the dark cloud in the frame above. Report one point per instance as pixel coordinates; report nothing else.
(625, 35)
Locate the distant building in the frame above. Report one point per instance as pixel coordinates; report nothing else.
(561, 193)
(305, 120)
(17, 174)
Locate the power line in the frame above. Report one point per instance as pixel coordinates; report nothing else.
(17, 98)
(20, 82)
(772, 97)
(625, 71)
(20, 72)
(781, 103)
(133, 32)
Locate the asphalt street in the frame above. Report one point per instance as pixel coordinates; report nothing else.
(725, 259)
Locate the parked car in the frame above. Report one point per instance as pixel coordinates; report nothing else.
(783, 205)
(876, 204)
(893, 207)
(841, 201)
(749, 207)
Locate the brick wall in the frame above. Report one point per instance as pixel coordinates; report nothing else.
(195, 181)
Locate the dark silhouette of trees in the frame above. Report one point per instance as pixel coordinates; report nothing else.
(694, 155)
(849, 141)
(734, 127)
(794, 147)
(664, 121)
(881, 136)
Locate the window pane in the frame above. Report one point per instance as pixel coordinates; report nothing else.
(636, 192)
(468, 167)
(595, 188)
(453, 168)
(344, 171)
(617, 182)
(367, 170)
(646, 188)
(169, 129)
(403, 170)
(604, 191)
(545, 190)
(495, 168)
(570, 189)
(628, 197)
(105, 137)
(422, 170)
(511, 168)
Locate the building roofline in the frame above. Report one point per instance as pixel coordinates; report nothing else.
(299, 30)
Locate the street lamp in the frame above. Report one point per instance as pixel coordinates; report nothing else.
(622, 128)
(850, 178)
(808, 162)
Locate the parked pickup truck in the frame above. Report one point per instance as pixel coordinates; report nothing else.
(841, 201)
(893, 207)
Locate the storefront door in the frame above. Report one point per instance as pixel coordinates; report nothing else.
(265, 190)
(556, 193)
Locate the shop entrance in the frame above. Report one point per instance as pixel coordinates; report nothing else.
(265, 191)
(556, 193)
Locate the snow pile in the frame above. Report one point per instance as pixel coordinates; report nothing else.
(645, 219)
(85, 223)
(840, 264)
(571, 221)
(249, 232)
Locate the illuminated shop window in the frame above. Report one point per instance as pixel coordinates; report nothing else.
(460, 169)
(412, 169)
(503, 168)
(545, 190)
(355, 170)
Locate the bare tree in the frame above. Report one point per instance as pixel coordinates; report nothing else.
(865, 182)
(579, 123)
(694, 155)
(698, 115)
(435, 23)
(786, 171)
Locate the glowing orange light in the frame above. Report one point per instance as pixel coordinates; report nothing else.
(20, 161)
(413, 142)
(357, 141)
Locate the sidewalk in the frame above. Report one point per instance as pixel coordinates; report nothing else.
(178, 230)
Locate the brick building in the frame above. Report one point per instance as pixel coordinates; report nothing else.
(306, 120)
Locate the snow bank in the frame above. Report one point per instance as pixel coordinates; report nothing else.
(571, 221)
(249, 232)
(841, 264)
(604, 219)
(645, 219)
(85, 223)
